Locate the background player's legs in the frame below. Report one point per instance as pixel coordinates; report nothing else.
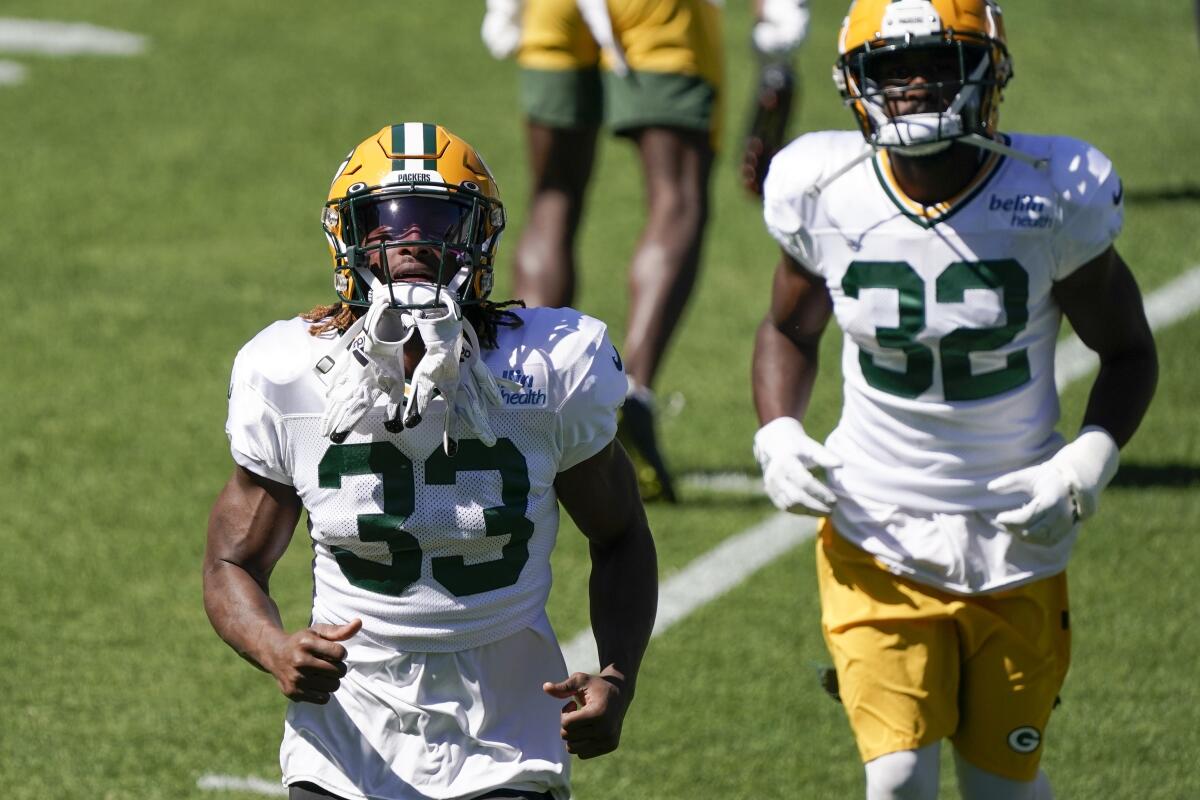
(978, 784)
(560, 161)
(676, 164)
(904, 775)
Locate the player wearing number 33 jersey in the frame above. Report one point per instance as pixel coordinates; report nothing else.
(471, 564)
(430, 435)
(949, 253)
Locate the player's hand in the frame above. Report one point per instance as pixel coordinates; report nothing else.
(309, 664)
(773, 98)
(1062, 491)
(367, 361)
(501, 29)
(787, 456)
(441, 330)
(470, 413)
(478, 391)
(591, 721)
(782, 27)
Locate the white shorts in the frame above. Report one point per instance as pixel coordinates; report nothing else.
(436, 725)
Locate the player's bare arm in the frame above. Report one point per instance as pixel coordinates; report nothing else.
(1104, 305)
(601, 495)
(248, 531)
(786, 346)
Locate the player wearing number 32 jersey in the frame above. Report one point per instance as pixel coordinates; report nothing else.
(430, 435)
(948, 252)
(949, 329)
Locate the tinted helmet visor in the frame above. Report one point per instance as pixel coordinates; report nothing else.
(376, 219)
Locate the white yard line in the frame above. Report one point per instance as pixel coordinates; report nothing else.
(741, 555)
(708, 577)
(723, 482)
(47, 38)
(1165, 306)
(229, 783)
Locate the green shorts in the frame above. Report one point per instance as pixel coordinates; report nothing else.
(672, 48)
(588, 98)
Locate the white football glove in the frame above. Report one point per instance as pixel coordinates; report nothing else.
(477, 391)
(787, 454)
(452, 368)
(1063, 490)
(501, 29)
(782, 27)
(367, 361)
(442, 331)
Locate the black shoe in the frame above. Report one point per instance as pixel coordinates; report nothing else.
(635, 429)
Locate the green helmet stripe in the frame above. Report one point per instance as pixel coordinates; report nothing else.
(414, 139)
(399, 144)
(430, 145)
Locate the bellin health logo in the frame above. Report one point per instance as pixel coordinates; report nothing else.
(1027, 210)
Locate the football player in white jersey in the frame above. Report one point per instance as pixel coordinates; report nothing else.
(948, 252)
(430, 436)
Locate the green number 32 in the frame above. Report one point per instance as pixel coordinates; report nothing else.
(955, 348)
(399, 501)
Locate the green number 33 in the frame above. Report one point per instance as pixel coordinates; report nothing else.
(955, 348)
(399, 501)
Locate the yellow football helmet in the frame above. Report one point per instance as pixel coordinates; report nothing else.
(409, 185)
(965, 36)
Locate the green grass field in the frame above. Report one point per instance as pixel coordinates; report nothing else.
(160, 209)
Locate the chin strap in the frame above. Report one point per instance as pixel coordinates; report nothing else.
(985, 143)
(974, 139)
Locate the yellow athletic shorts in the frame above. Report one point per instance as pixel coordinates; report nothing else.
(672, 47)
(916, 665)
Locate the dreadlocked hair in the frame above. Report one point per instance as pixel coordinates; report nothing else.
(334, 317)
(485, 317)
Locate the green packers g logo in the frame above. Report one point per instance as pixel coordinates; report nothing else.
(1025, 739)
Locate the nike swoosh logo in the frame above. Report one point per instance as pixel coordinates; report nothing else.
(616, 359)
(1118, 194)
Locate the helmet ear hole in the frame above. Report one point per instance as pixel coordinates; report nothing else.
(343, 284)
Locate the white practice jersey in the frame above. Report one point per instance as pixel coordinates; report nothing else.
(949, 335)
(434, 554)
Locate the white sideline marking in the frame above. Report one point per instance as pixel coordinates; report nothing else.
(723, 482)
(48, 38)
(733, 560)
(228, 783)
(708, 577)
(12, 73)
(1165, 306)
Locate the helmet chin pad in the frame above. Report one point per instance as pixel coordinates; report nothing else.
(411, 294)
(919, 134)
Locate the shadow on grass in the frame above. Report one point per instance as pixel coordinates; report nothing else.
(1187, 193)
(1157, 476)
